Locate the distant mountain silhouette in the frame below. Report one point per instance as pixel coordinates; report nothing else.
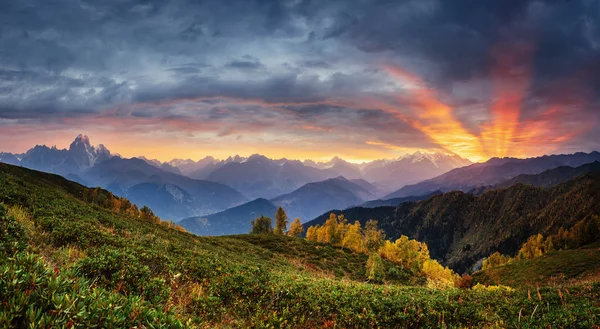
(313, 199)
(259, 176)
(13, 159)
(410, 169)
(170, 195)
(80, 156)
(493, 172)
(231, 221)
(397, 201)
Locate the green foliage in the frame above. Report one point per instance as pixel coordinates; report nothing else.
(375, 269)
(556, 268)
(136, 272)
(35, 297)
(281, 221)
(261, 225)
(12, 235)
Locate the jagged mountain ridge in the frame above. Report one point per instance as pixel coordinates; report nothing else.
(493, 172)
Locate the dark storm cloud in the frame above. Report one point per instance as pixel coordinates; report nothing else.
(72, 58)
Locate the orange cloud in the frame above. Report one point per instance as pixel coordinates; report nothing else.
(511, 76)
(436, 119)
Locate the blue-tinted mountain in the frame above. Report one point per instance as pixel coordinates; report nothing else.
(80, 156)
(9, 158)
(170, 195)
(313, 199)
(552, 177)
(231, 221)
(259, 176)
(410, 168)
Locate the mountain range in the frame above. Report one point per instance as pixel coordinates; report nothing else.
(492, 172)
(170, 195)
(235, 220)
(461, 228)
(305, 203)
(186, 188)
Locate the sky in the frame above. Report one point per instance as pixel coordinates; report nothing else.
(302, 79)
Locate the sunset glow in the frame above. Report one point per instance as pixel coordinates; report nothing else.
(422, 78)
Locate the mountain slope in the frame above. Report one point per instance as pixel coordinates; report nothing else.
(170, 195)
(397, 201)
(460, 228)
(552, 177)
(313, 199)
(235, 220)
(493, 172)
(96, 265)
(557, 268)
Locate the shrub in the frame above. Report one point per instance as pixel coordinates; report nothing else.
(116, 269)
(34, 297)
(464, 282)
(12, 235)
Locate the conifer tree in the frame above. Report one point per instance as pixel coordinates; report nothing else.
(281, 221)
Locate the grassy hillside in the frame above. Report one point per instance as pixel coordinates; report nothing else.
(66, 262)
(556, 268)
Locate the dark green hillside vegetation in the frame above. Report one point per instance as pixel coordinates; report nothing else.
(461, 228)
(71, 261)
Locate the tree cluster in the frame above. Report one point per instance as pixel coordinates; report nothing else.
(409, 254)
(263, 225)
(583, 232)
(123, 206)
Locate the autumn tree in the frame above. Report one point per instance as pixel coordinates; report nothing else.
(296, 228)
(146, 213)
(353, 238)
(411, 254)
(312, 233)
(375, 268)
(261, 225)
(281, 221)
(535, 246)
(373, 236)
(495, 259)
(437, 275)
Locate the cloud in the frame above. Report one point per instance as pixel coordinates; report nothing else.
(487, 78)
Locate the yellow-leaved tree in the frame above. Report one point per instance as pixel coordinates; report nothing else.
(353, 238)
(296, 228)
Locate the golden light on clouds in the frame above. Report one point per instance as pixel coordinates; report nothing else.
(437, 120)
(505, 134)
